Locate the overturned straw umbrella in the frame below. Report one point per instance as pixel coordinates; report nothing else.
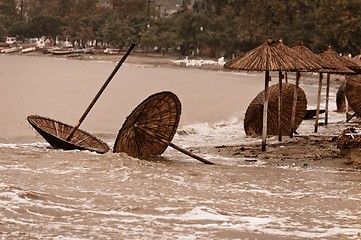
(266, 57)
(253, 116)
(64, 136)
(150, 128)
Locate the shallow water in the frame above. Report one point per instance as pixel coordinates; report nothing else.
(54, 194)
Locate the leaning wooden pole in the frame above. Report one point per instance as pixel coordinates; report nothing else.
(318, 101)
(165, 141)
(327, 97)
(279, 106)
(100, 91)
(294, 104)
(265, 110)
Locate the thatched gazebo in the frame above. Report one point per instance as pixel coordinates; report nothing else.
(253, 116)
(267, 57)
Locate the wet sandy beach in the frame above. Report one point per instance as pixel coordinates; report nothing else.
(300, 189)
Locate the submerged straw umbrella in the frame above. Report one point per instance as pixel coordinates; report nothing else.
(150, 128)
(266, 57)
(64, 136)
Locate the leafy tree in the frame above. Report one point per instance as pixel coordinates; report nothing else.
(189, 30)
(339, 25)
(8, 13)
(48, 26)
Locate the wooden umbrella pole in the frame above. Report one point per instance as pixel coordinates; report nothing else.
(100, 91)
(294, 104)
(318, 101)
(279, 105)
(265, 109)
(327, 97)
(165, 141)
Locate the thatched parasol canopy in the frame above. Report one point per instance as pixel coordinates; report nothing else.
(267, 57)
(353, 93)
(150, 128)
(56, 133)
(311, 57)
(253, 119)
(340, 64)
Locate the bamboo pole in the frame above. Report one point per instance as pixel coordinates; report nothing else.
(294, 104)
(318, 101)
(265, 109)
(327, 97)
(279, 105)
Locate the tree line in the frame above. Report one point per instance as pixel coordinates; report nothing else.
(210, 28)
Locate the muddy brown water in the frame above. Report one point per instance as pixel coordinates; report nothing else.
(47, 193)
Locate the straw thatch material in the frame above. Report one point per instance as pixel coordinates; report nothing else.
(158, 114)
(253, 119)
(341, 64)
(56, 132)
(311, 57)
(267, 57)
(353, 93)
(349, 138)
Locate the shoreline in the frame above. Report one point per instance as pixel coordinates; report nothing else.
(301, 151)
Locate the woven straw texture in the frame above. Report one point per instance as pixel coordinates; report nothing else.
(340, 64)
(253, 118)
(55, 133)
(349, 138)
(353, 92)
(158, 114)
(271, 57)
(311, 57)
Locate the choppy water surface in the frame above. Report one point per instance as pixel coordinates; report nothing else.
(53, 194)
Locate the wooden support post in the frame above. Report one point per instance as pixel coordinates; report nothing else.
(294, 104)
(327, 97)
(265, 110)
(279, 105)
(318, 101)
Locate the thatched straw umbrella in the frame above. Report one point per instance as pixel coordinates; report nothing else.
(309, 64)
(301, 49)
(253, 116)
(340, 65)
(266, 57)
